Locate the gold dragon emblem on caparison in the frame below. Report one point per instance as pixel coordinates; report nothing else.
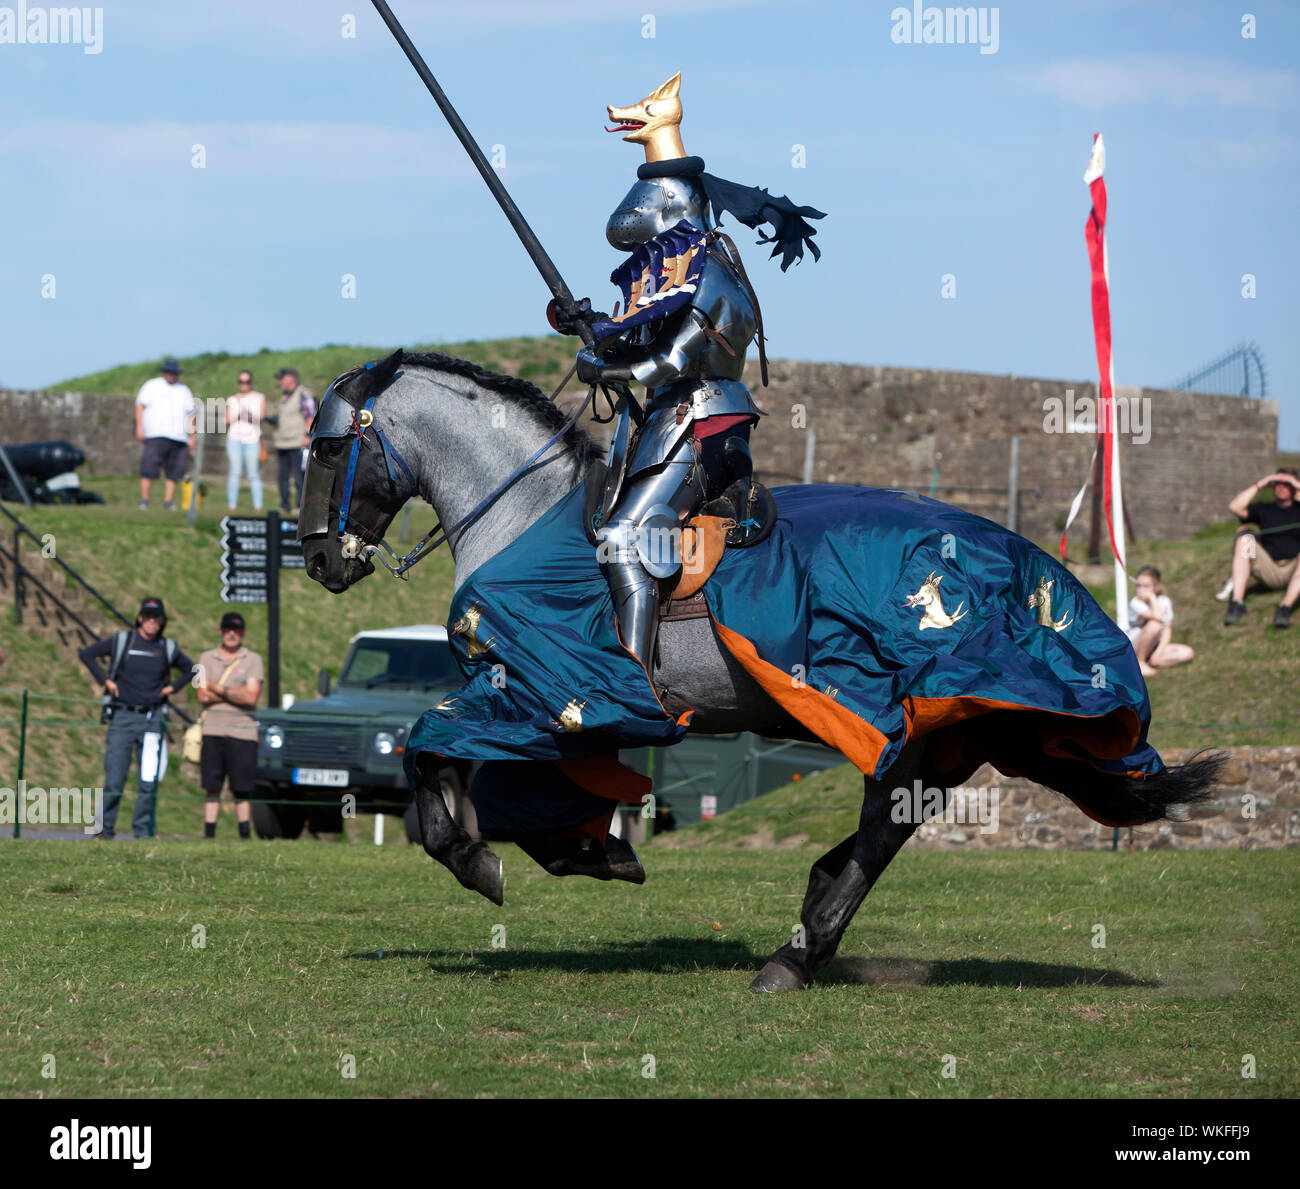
(448, 706)
(571, 716)
(1042, 599)
(928, 598)
(468, 626)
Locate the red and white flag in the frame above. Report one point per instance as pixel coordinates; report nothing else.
(1112, 492)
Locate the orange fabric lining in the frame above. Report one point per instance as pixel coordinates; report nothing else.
(598, 826)
(1096, 734)
(606, 776)
(834, 724)
(863, 744)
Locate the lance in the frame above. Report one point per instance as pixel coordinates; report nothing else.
(532, 245)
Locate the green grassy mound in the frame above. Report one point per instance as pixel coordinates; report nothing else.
(541, 360)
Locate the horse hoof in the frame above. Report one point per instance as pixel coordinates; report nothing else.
(623, 861)
(777, 977)
(484, 873)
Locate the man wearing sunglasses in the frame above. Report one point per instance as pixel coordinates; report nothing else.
(230, 685)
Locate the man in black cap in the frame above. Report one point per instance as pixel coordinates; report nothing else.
(230, 683)
(164, 422)
(138, 682)
(292, 420)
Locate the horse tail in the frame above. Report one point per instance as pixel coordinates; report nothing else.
(1115, 800)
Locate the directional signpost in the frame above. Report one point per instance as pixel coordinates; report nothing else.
(253, 552)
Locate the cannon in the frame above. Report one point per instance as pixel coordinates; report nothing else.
(48, 471)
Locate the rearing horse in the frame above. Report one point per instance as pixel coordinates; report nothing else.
(474, 444)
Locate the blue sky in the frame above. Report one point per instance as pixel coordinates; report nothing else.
(325, 157)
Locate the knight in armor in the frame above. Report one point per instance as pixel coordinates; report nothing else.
(689, 317)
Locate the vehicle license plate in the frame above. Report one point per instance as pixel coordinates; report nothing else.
(330, 777)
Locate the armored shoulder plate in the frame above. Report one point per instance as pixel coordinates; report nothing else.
(723, 301)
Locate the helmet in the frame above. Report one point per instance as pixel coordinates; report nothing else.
(654, 205)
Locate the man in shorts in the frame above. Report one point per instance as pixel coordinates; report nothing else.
(1270, 557)
(164, 422)
(230, 685)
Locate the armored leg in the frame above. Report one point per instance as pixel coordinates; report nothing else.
(641, 543)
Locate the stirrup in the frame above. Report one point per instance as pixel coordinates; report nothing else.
(752, 506)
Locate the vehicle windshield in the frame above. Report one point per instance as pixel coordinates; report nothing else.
(410, 663)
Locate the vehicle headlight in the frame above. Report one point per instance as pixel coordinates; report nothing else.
(385, 743)
(273, 737)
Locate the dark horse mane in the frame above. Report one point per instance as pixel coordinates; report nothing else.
(362, 382)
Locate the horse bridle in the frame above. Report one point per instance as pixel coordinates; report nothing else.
(329, 425)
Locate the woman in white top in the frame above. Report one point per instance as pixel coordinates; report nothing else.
(1151, 616)
(244, 413)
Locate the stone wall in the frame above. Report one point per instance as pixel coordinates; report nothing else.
(891, 427)
(1258, 806)
(103, 428)
(888, 427)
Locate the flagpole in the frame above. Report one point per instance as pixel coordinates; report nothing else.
(1121, 547)
(1116, 484)
(1108, 441)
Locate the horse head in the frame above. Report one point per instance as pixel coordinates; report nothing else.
(489, 452)
(355, 483)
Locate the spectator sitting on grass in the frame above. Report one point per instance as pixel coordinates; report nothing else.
(1272, 557)
(1151, 612)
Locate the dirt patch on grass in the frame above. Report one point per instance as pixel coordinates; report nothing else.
(761, 839)
(881, 972)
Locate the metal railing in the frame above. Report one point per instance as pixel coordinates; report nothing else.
(1229, 374)
(21, 530)
(23, 574)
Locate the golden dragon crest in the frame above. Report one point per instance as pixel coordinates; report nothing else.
(1042, 599)
(929, 599)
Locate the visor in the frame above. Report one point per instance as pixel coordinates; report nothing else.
(333, 418)
(318, 493)
(324, 485)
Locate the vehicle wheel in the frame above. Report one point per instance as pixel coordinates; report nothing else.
(277, 821)
(325, 819)
(452, 794)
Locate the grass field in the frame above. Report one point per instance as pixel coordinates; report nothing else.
(318, 955)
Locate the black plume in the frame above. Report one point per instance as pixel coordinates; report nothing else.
(754, 206)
